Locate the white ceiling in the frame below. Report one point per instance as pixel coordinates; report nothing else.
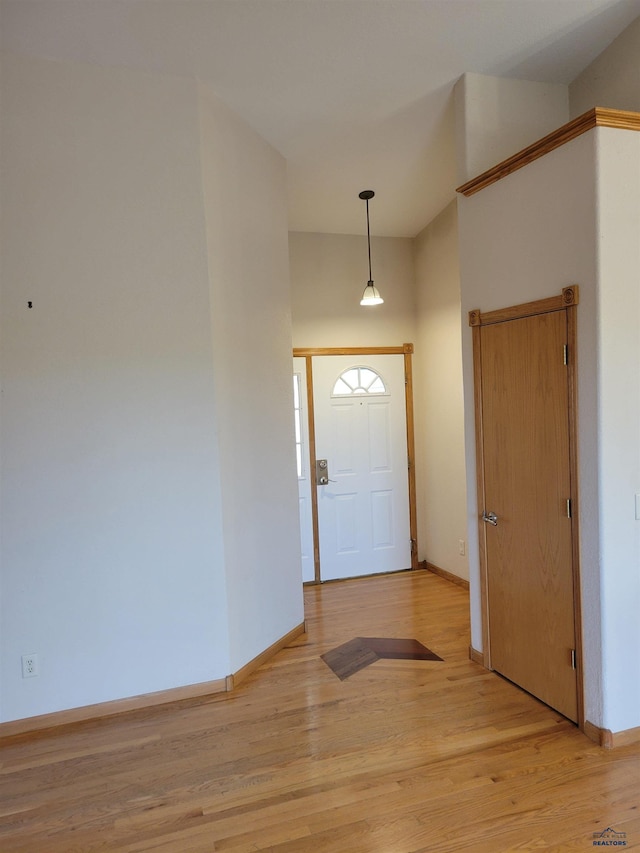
(356, 94)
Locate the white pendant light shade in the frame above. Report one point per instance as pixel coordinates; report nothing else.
(371, 295)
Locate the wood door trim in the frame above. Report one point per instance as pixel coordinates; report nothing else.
(569, 296)
(311, 429)
(567, 301)
(596, 117)
(482, 528)
(310, 351)
(572, 376)
(411, 456)
(407, 351)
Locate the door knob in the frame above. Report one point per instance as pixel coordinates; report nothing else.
(491, 518)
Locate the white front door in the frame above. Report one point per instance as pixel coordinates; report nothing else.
(361, 430)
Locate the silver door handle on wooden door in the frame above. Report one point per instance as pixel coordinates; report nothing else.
(491, 518)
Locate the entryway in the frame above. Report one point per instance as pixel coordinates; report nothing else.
(354, 443)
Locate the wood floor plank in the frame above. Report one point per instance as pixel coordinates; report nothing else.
(405, 756)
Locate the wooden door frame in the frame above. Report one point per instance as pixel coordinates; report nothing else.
(567, 301)
(407, 351)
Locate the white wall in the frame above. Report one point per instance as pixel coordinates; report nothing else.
(245, 200)
(496, 117)
(517, 247)
(329, 273)
(129, 453)
(441, 482)
(618, 188)
(613, 78)
(111, 523)
(570, 218)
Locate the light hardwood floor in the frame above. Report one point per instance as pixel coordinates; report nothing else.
(404, 756)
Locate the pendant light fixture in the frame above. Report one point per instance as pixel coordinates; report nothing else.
(371, 296)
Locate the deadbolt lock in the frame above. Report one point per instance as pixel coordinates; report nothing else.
(322, 472)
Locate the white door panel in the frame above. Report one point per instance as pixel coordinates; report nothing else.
(379, 437)
(344, 434)
(382, 519)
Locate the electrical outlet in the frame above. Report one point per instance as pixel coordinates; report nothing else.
(30, 666)
(461, 547)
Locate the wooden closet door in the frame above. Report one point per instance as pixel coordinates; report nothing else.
(525, 421)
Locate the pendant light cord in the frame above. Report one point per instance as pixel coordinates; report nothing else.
(369, 240)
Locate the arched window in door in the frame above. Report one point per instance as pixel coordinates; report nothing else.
(358, 380)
